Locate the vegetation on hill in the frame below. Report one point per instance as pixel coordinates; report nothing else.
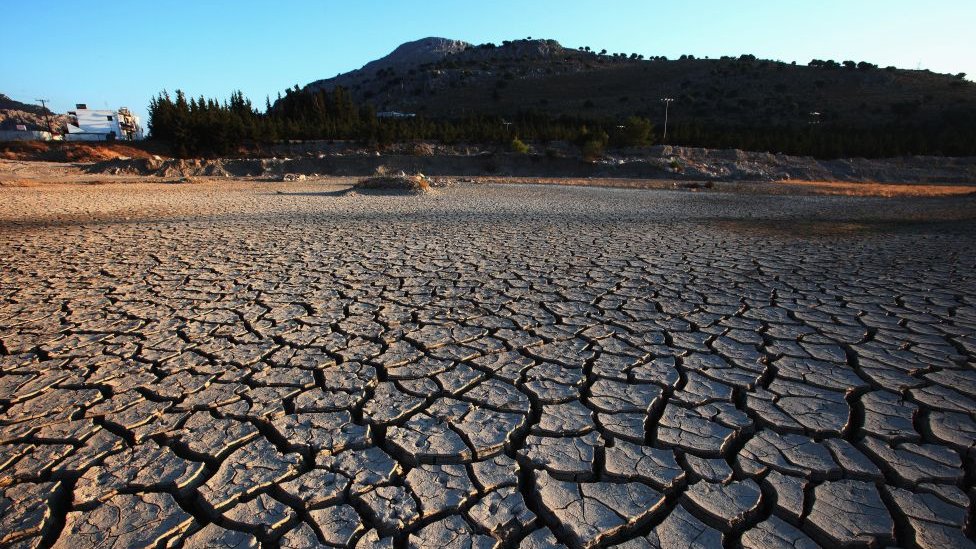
(544, 76)
(538, 91)
(199, 126)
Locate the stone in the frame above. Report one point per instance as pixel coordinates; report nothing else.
(125, 520)
(593, 512)
(848, 512)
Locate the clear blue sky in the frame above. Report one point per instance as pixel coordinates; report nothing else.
(114, 53)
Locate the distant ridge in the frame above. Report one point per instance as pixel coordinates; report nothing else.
(418, 52)
(14, 113)
(439, 77)
(8, 104)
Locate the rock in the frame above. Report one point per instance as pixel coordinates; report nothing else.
(566, 457)
(936, 524)
(774, 533)
(848, 512)
(337, 525)
(681, 529)
(590, 513)
(392, 509)
(729, 505)
(449, 533)
(244, 472)
(317, 488)
(25, 511)
(143, 467)
(125, 520)
(502, 513)
(658, 468)
(215, 537)
(440, 488)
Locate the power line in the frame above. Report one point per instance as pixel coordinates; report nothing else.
(47, 114)
(667, 103)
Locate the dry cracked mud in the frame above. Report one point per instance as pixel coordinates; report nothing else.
(247, 364)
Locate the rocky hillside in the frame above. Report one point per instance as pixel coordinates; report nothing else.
(448, 78)
(410, 54)
(8, 104)
(35, 117)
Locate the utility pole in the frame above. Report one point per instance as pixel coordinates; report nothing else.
(667, 103)
(47, 117)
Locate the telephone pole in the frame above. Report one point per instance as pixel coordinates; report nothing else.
(667, 103)
(47, 116)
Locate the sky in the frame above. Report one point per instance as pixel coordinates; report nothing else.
(121, 53)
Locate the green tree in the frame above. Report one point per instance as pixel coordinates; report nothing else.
(636, 132)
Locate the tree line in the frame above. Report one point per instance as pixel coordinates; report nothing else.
(209, 127)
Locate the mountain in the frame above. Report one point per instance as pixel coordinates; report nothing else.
(14, 113)
(8, 104)
(437, 77)
(418, 52)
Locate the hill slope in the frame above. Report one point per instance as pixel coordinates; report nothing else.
(8, 104)
(445, 78)
(35, 117)
(418, 52)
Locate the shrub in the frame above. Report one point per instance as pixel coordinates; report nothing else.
(593, 149)
(636, 132)
(518, 146)
(592, 143)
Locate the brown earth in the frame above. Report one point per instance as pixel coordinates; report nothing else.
(72, 152)
(834, 188)
(47, 174)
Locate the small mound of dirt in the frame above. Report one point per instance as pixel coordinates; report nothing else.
(394, 184)
(161, 167)
(421, 149)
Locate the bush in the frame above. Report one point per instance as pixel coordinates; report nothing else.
(636, 132)
(593, 149)
(518, 146)
(592, 143)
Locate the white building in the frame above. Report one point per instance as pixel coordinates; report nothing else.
(395, 114)
(21, 133)
(86, 124)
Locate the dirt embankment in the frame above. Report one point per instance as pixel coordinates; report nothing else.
(560, 161)
(657, 163)
(72, 152)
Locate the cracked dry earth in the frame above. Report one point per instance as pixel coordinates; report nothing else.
(208, 366)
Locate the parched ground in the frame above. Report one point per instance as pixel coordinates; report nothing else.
(242, 363)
